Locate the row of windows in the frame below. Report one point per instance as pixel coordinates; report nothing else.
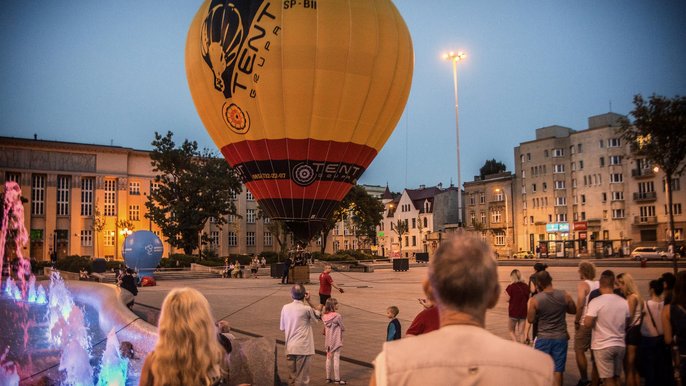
(573, 149)
(232, 239)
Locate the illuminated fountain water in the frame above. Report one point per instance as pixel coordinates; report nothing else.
(66, 333)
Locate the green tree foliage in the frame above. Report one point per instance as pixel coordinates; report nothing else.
(658, 134)
(363, 210)
(492, 167)
(194, 187)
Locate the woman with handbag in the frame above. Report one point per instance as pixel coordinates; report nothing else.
(633, 333)
(674, 324)
(653, 354)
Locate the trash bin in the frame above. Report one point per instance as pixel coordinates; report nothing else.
(276, 270)
(422, 256)
(401, 264)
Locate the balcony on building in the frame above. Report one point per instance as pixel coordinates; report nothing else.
(642, 173)
(645, 220)
(645, 196)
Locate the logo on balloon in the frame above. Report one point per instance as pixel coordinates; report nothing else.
(303, 174)
(237, 119)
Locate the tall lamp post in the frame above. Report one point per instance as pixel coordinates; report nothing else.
(507, 221)
(455, 57)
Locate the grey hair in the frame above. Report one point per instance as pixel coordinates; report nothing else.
(463, 273)
(298, 291)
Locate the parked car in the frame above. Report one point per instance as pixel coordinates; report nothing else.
(523, 255)
(650, 253)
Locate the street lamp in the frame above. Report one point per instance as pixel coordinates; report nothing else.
(507, 221)
(454, 58)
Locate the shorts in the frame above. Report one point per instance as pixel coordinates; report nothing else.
(323, 298)
(582, 338)
(609, 361)
(556, 348)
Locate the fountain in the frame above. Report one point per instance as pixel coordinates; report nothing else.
(53, 325)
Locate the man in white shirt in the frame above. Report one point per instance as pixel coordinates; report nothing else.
(297, 319)
(607, 315)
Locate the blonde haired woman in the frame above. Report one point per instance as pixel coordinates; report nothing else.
(187, 350)
(626, 283)
(518, 296)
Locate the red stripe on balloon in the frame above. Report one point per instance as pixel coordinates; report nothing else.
(298, 149)
(287, 189)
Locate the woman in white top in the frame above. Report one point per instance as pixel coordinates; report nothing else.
(633, 335)
(654, 362)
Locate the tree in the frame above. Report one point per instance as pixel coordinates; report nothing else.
(658, 135)
(194, 187)
(98, 226)
(492, 167)
(278, 229)
(363, 210)
(400, 229)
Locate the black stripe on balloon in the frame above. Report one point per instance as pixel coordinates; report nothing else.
(297, 209)
(303, 172)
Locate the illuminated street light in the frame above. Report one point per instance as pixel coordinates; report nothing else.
(454, 58)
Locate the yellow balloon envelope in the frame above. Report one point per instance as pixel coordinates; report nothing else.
(299, 95)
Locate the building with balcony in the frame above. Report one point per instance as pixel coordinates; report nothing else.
(582, 192)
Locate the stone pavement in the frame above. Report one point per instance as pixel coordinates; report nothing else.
(252, 306)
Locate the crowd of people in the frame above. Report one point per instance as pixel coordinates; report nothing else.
(618, 335)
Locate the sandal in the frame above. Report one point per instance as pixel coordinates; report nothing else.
(328, 380)
(341, 382)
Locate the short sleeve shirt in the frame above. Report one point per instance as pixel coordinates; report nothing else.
(325, 281)
(611, 312)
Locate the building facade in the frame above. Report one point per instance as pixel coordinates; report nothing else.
(490, 210)
(581, 193)
(68, 185)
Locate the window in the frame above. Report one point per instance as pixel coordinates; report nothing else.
(472, 199)
(533, 188)
(232, 218)
(580, 148)
(249, 196)
(531, 219)
(676, 186)
(602, 144)
(560, 201)
(250, 239)
(559, 184)
(499, 238)
(472, 217)
(63, 185)
(86, 238)
(483, 217)
(617, 196)
(583, 198)
(269, 240)
(646, 212)
(214, 240)
(617, 213)
(561, 217)
(676, 209)
(425, 222)
(414, 223)
(110, 197)
(134, 212)
(499, 196)
(613, 142)
(14, 177)
(233, 240)
(482, 198)
(603, 196)
(544, 186)
(267, 220)
(528, 156)
(616, 178)
(407, 241)
(572, 149)
(559, 152)
(545, 153)
(496, 216)
(234, 196)
(109, 238)
(154, 186)
(250, 216)
(87, 184)
(38, 194)
(134, 188)
(414, 241)
(581, 165)
(616, 160)
(602, 161)
(573, 166)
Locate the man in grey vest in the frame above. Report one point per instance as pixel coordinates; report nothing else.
(463, 283)
(549, 308)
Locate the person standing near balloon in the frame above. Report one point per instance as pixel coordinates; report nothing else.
(325, 284)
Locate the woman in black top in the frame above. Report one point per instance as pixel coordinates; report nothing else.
(674, 321)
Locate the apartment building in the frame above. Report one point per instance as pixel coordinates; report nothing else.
(427, 212)
(490, 210)
(584, 193)
(67, 183)
(342, 236)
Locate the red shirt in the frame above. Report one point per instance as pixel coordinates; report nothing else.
(425, 321)
(519, 296)
(325, 281)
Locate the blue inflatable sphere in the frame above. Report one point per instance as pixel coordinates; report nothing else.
(142, 251)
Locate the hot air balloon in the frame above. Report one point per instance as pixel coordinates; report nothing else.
(299, 95)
